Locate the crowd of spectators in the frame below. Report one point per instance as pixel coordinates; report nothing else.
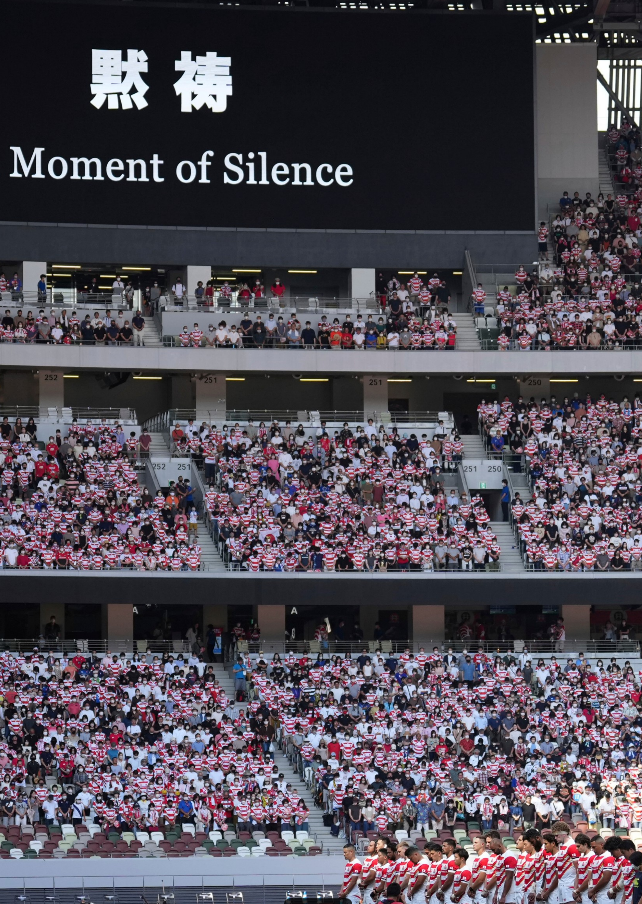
(61, 328)
(583, 460)
(136, 745)
(416, 294)
(624, 153)
(441, 742)
(74, 502)
(368, 499)
(223, 295)
(401, 329)
(426, 743)
(588, 295)
(587, 299)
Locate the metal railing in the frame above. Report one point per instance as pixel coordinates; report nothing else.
(492, 345)
(419, 417)
(166, 419)
(75, 342)
(540, 645)
(539, 567)
(66, 414)
(234, 565)
(159, 647)
(489, 646)
(151, 478)
(56, 297)
(258, 414)
(83, 645)
(91, 413)
(325, 647)
(221, 304)
(275, 345)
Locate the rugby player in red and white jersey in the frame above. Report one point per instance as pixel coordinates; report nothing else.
(416, 876)
(369, 870)
(432, 850)
(489, 889)
(478, 867)
(602, 869)
(369, 866)
(584, 861)
(351, 875)
(530, 861)
(559, 878)
(624, 876)
(502, 885)
(382, 874)
(566, 862)
(460, 878)
(449, 846)
(438, 871)
(518, 881)
(632, 863)
(400, 864)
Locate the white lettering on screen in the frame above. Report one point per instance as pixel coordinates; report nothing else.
(206, 81)
(114, 78)
(88, 169)
(237, 169)
(285, 173)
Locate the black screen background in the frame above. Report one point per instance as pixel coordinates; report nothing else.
(433, 112)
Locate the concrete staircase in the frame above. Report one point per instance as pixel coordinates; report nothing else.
(151, 336)
(159, 445)
(511, 560)
(321, 835)
(473, 446)
(467, 338)
(330, 844)
(210, 557)
(605, 176)
(226, 681)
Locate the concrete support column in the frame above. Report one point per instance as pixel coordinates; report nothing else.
(368, 617)
(428, 626)
(31, 273)
(375, 395)
(211, 398)
(51, 390)
(118, 626)
(196, 275)
(362, 283)
(271, 620)
(577, 622)
(49, 609)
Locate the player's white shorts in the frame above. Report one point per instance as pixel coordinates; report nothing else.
(563, 894)
(419, 896)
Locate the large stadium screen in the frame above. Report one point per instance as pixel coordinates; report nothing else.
(163, 116)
